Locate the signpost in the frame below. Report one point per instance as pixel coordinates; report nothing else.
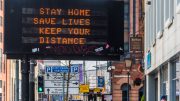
(59, 84)
(60, 69)
(53, 76)
(101, 81)
(84, 88)
(59, 91)
(136, 44)
(96, 90)
(55, 82)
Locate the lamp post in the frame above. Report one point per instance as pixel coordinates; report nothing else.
(128, 63)
(110, 68)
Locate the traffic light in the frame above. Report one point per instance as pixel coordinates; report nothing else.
(40, 84)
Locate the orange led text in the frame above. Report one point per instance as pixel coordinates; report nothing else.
(79, 12)
(61, 40)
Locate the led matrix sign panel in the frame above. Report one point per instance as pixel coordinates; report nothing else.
(64, 29)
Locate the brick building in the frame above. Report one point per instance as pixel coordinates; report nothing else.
(134, 27)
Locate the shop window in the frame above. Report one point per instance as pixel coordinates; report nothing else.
(164, 76)
(176, 80)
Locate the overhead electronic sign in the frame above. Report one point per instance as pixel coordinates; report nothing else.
(61, 29)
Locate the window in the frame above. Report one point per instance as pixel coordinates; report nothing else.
(178, 6)
(0, 83)
(124, 89)
(171, 8)
(1, 21)
(176, 80)
(178, 2)
(162, 14)
(0, 60)
(164, 83)
(147, 23)
(158, 15)
(0, 96)
(0, 37)
(154, 22)
(166, 11)
(126, 12)
(1, 5)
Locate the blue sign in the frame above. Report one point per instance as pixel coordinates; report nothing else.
(101, 81)
(149, 60)
(74, 68)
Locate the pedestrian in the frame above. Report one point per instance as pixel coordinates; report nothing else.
(163, 98)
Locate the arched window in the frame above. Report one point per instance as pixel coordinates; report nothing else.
(124, 89)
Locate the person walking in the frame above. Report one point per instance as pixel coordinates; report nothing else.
(163, 98)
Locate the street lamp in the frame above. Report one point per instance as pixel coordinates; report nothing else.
(110, 68)
(128, 64)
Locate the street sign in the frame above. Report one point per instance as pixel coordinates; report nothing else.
(57, 69)
(101, 82)
(53, 76)
(61, 69)
(53, 91)
(58, 91)
(97, 90)
(136, 44)
(59, 84)
(84, 88)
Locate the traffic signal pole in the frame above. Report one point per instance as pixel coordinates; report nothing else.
(25, 78)
(31, 80)
(17, 81)
(67, 93)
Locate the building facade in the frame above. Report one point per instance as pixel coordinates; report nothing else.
(7, 67)
(162, 49)
(134, 27)
(2, 59)
(120, 82)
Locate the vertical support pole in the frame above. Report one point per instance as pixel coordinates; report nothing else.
(17, 81)
(84, 97)
(96, 75)
(84, 71)
(63, 86)
(128, 87)
(48, 94)
(68, 81)
(31, 80)
(25, 78)
(95, 97)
